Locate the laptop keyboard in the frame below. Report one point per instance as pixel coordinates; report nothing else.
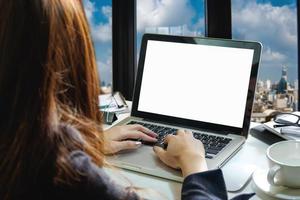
(212, 144)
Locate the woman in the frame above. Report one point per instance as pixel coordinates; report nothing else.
(51, 142)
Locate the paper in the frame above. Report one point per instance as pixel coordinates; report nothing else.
(108, 104)
(292, 131)
(288, 131)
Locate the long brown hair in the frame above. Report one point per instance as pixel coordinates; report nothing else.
(48, 77)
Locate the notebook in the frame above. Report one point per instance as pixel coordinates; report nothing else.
(287, 133)
(199, 84)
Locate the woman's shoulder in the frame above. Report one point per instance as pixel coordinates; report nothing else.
(88, 180)
(83, 164)
(71, 131)
(96, 182)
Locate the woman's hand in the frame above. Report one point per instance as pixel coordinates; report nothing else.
(116, 138)
(184, 152)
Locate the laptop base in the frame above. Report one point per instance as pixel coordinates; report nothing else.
(145, 161)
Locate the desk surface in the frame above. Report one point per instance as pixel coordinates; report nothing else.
(252, 153)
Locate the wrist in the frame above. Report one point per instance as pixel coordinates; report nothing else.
(192, 164)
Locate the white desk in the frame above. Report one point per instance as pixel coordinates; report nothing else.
(252, 153)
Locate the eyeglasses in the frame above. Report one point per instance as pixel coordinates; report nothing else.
(286, 119)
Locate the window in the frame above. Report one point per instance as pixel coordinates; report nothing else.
(176, 17)
(99, 14)
(274, 24)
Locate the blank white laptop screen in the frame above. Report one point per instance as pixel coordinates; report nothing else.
(196, 82)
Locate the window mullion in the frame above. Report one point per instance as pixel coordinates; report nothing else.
(218, 19)
(124, 53)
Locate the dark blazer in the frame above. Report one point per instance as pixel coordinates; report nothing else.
(207, 185)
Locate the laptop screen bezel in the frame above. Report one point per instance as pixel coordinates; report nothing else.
(256, 46)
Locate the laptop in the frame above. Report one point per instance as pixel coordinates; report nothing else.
(199, 84)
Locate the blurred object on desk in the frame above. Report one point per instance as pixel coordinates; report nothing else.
(264, 135)
(114, 103)
(291, 131)
(285, 125)
(109, 118)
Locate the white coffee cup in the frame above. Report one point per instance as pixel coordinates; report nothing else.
(284, 163)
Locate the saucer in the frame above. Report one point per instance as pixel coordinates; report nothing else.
(265, 190)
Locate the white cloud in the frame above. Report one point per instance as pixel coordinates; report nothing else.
(157, 14)
(160, 15)
(274, 26)
(89, 8)
(105, 70)
(273, 56)
(107, 11)
(101, 32)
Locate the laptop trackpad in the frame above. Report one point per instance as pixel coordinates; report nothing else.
(144, 160)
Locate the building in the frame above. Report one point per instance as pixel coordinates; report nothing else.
(283, 84)
(280, 97)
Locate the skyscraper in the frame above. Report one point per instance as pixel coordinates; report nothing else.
(282, 85)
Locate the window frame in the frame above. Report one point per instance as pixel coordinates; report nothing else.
(298, 47)
(123, 46)
(218, 26)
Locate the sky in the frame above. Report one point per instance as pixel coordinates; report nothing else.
(99, 14)
(272, 22)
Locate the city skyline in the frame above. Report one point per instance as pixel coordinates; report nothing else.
(271, 98)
